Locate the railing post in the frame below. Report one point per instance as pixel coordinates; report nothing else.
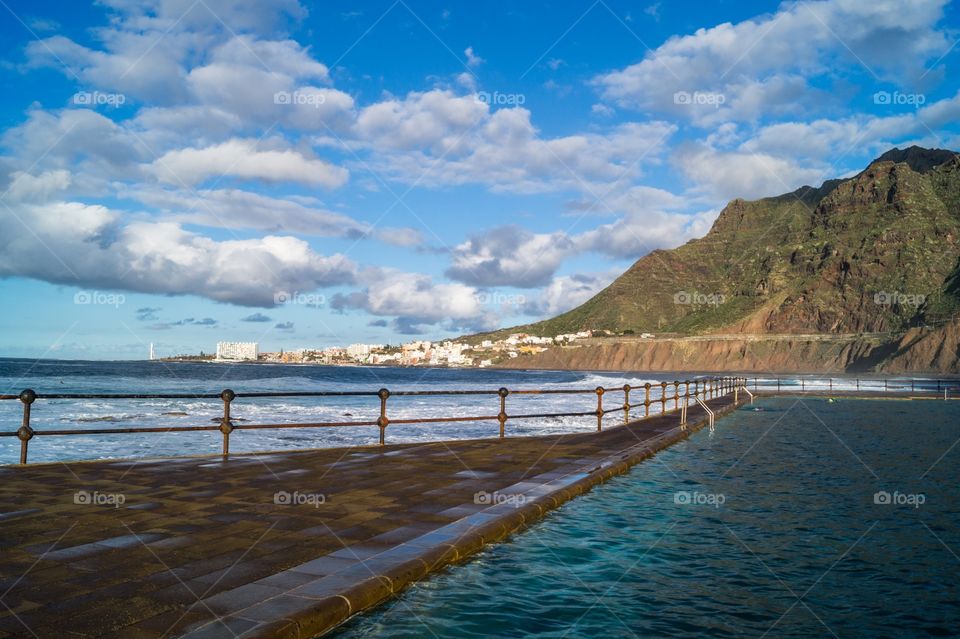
(626, 403)
(646, 400)
(676, 394)
(686, 395)
(599, 408)
(226, 426)
(831, 384)
(663, 398)
(382, 421)
(25, 433)
(502, 416)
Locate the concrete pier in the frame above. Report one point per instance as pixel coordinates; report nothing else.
(278, 544)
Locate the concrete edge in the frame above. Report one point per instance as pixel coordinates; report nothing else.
(303, 613)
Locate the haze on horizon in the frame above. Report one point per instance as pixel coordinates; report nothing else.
(181, 173)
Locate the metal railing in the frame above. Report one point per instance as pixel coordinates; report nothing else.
(819, 383)
(694, 390)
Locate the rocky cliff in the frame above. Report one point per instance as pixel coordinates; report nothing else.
(877, 253)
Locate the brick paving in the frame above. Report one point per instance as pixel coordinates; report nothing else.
(200, 547)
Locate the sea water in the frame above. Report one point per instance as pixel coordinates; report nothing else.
(84, 377)
(804, 519)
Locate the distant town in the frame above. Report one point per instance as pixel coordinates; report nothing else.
(452, 353)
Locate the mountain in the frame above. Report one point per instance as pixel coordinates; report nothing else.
(875, 254)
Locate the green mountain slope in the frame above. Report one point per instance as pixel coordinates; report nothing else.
(873, 253)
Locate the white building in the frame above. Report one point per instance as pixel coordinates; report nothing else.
(238, 350)
(358, 351)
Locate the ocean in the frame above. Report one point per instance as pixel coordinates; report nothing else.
(157, 377)
(97, 377)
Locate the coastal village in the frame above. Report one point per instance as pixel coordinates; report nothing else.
(454, 353)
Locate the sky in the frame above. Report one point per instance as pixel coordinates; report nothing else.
(183, 172)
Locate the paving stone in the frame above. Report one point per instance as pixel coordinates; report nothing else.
(207, 528)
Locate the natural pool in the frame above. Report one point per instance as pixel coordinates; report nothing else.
(768, 527)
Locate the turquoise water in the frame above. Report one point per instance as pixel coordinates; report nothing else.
(777, 534)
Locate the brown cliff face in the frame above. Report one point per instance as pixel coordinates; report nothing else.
(936, 351)
(775, 355)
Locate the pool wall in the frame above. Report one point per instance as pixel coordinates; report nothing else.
(387, 574)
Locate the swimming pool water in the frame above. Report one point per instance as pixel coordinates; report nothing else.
(776, 525)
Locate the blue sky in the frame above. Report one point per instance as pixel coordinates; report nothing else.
(183, 172)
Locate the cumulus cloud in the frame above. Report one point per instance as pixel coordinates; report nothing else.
(236, 208)
(76, 243)
(437, 138)
(735, 174)
(566, 292)
(509, 256)
(147, 46)
(416, 301)
(242, 159)
(286, 327)
(764, 65)
(256, 317)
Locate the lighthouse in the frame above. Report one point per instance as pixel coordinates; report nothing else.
(153, 354)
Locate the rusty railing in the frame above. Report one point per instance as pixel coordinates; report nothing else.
(694, 389)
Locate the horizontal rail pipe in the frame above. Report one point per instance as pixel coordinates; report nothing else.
(669, 392)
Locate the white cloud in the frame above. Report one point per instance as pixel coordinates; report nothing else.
(640, 232)
(568, 291)
(400, 236)
(473, 60)
(435, 121)
(602, 110)
(509, 256)
(440, 139)
(80, 244)
(764, 65)
(729, 175)
(416, 301)
(241, 158)
(236, 208)
(26, 187)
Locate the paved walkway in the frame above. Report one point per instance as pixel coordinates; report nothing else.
(281, 544)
